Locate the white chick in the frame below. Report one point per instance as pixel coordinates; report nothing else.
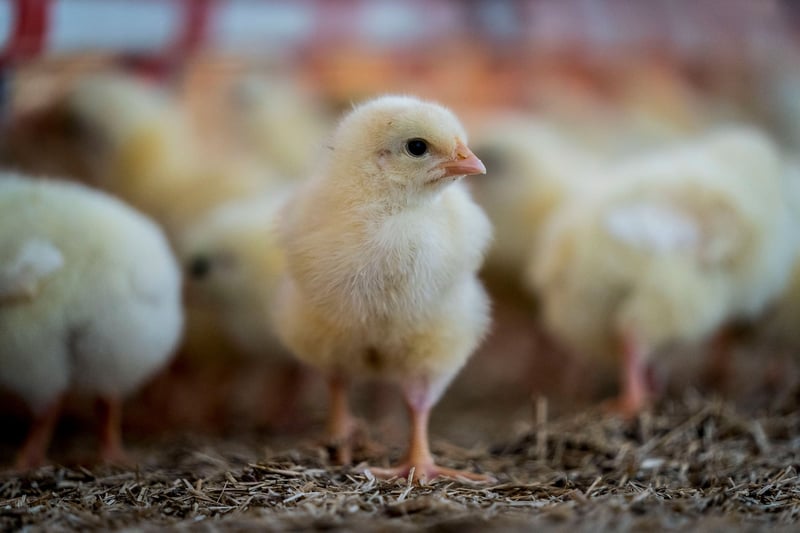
(89, 301)
(533, 169)
(382, 252)
(666, 249)
(233, 264)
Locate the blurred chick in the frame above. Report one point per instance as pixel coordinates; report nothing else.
(112, 131)
(281, 122)
(130, 138)
(533, 170)
(665, 250)
(382, 252)
(233, 265)
(89, 301)
(779, 325)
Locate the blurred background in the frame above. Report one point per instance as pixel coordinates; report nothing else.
(258, 85)
(738, 56)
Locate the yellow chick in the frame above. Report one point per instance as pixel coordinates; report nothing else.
(779, 324)
(533, 170)
(112, 131)
(89, 301)
(130, 138)
(382, 251)
(666, 248)
(281, 122)
(233, 264)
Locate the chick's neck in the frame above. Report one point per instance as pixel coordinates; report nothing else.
(374, 189)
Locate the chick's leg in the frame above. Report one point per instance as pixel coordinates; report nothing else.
(109, 413)
(636, 391)
(420, 398)
(719, 370)
(341, 424)
(34, 450)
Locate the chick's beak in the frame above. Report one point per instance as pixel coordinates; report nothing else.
(463, 163)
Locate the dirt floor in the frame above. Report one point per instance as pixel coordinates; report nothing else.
(693, 462)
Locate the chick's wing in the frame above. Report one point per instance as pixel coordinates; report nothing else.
(25, 269)
(661, 227)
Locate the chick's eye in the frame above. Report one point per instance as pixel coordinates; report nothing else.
(416, 147)
(199, 267)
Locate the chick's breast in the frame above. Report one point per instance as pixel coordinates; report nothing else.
(373, 292)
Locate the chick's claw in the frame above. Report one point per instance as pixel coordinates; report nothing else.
(33, 453)
(116, 456)
(625, 406)
(28, 460)
(340, 441)
(353, 440)
(428, 471)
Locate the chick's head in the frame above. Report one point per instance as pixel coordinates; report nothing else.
(402, 147)
(231, 255)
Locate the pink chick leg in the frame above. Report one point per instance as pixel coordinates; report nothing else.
(636, 393)
(109, 413)
(419, 401)
(34, 450)
(341, 424)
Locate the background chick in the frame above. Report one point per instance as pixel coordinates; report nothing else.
(778, 327)
(666, 249)
(532, 169)
(382, 251)
(89, 301)
(133, 139)
(111, 131)
(281, 121)
(233, 265)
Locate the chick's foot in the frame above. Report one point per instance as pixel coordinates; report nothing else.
(342, 424)
(626, 406)
(637, 391)
(419, 456)
(33, 453)
(109, 412)
(428, 470)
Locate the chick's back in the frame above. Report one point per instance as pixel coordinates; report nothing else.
(109, 316)
(673, 242)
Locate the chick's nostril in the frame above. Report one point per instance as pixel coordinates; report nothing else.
(199, 267)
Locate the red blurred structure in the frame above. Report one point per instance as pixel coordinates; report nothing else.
(180, 27)
(28, 27)
(489, 46)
